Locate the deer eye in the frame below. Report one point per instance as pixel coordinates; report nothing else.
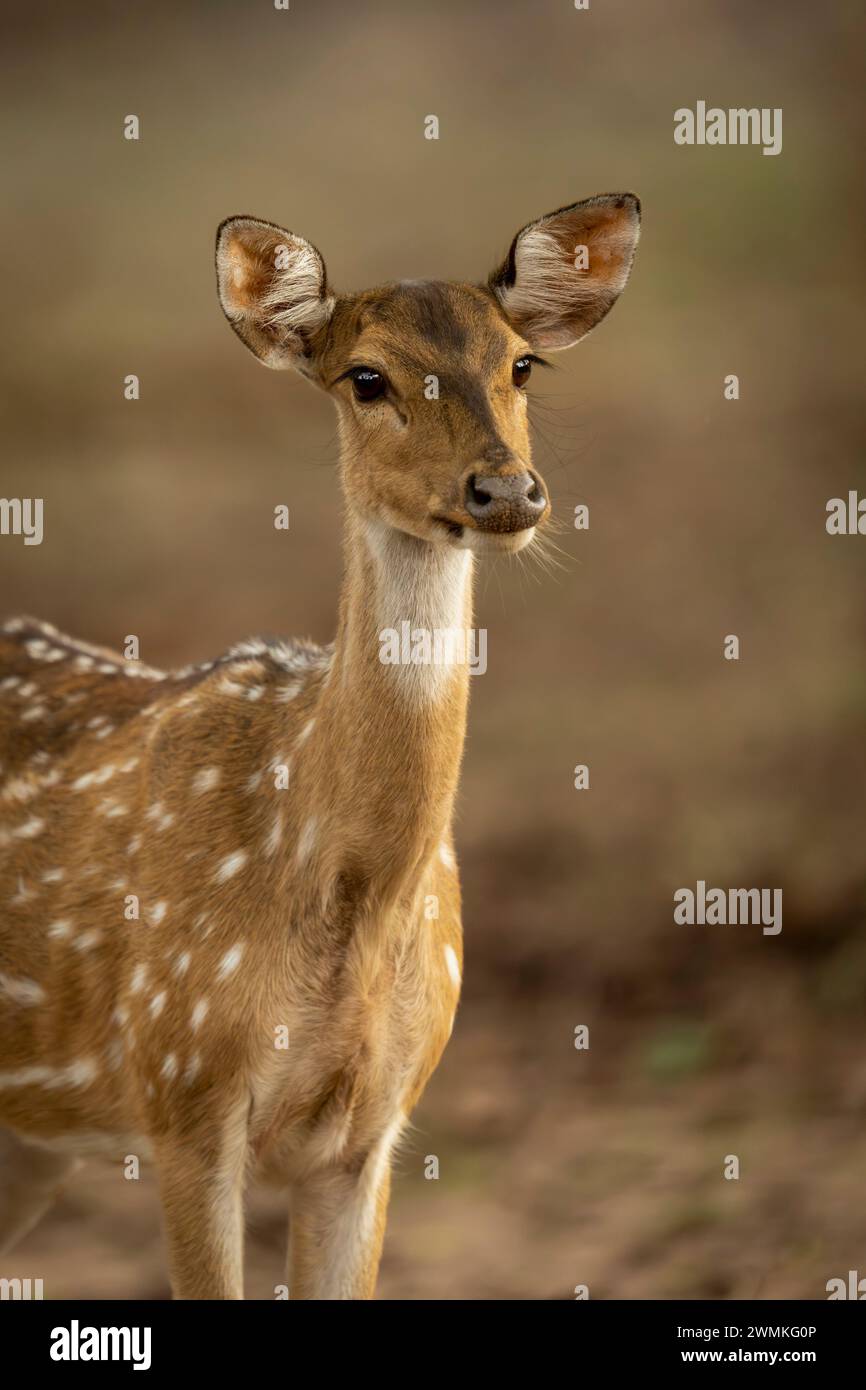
(521, 371)
(368, 384)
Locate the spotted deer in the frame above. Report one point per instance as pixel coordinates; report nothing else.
(230, 938)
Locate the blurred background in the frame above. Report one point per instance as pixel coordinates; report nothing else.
(558, 1167)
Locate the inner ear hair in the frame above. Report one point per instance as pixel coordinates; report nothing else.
(564, 271)
(272, 286)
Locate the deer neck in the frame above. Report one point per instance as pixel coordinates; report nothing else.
(393, 727)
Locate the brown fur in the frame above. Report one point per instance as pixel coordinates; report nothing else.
(303, 908)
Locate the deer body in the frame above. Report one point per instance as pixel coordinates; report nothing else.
(230, 937)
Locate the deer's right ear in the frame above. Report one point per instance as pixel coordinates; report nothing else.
(273, 290)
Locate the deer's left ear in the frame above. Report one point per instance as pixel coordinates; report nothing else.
(273, 289)
(564, 271)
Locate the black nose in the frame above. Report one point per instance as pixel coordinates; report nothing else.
(504, 502)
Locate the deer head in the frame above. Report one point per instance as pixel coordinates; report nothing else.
(429, 378)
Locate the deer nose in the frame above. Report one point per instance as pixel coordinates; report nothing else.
(504, 501)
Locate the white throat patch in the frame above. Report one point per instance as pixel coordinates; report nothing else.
(425, 586)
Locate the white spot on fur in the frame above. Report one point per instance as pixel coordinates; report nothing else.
(42, 652)
(206, 780)
(446, 856)
(94, 779)
(139, 976)
(157, 912)
(21, 991)
(307, 839)
(157, 1004)
(198, 1014)
(30, 829)
(288, 692)
(230, 687)
(20, 789)
(76, 1074)
(275, 835)
(230, 961)
(87, 940)
(231, 865)
(24, 893)
(453, 965)
(34, 712)
(60, 930)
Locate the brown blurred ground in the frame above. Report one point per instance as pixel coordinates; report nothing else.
(557, 1167)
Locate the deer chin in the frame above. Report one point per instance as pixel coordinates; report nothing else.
(462, 536)
(495, 542)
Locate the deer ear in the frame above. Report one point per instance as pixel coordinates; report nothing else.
(564, 271)
(273, 289)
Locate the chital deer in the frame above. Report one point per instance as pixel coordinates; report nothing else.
(270, 910)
